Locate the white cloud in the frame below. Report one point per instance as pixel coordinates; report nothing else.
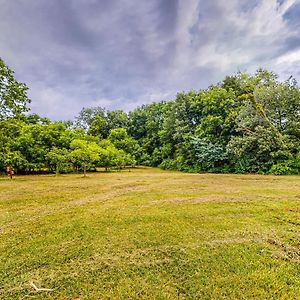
(53, 103)
(121, 54)
(288, 64)
(289, 58)
(231, 38)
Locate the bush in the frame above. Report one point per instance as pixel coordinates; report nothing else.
(280, 169)
(294, 164)
(168, 164)
(226, 169)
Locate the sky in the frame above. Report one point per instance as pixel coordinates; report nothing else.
(120, 54)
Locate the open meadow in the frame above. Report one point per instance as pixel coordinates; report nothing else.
(150, 234)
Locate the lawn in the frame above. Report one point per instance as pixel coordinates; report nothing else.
(150, 234)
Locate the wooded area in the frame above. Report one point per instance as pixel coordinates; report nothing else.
(246, 123)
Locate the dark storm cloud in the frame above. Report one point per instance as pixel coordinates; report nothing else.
(120, 54)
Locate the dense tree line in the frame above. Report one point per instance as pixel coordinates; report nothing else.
(32, 144)
(246, 123)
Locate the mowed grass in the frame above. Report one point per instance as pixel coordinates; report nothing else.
(150, 234)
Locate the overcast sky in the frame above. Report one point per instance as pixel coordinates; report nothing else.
(120, 54)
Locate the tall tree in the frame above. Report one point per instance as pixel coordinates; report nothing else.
(13, 94)
(88, 115)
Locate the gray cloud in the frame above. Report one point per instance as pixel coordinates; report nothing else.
(120, 54)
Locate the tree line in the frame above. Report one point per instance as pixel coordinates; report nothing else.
(246, 123)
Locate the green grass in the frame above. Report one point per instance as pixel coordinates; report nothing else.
(150, 234)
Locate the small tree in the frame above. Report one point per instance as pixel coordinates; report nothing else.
(107, 157)
(84, 154)
(59, 158)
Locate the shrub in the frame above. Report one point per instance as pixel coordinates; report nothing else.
(168, 164)
(280, 169)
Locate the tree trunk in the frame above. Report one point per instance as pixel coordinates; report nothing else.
(84, 170)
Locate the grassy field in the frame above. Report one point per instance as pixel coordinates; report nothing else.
(150, 234)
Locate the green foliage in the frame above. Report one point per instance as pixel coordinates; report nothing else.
(247, 123)
(291, 166)
(218, 108)
(280, 169)
(110, 156)
(120, 139)
(96, 121)
(169, 164)
(88, 115)
(98, 127)
(84, 154)
(258, 150)
(13, 94)
(59, 160)
(209, 155)
(14, 159)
